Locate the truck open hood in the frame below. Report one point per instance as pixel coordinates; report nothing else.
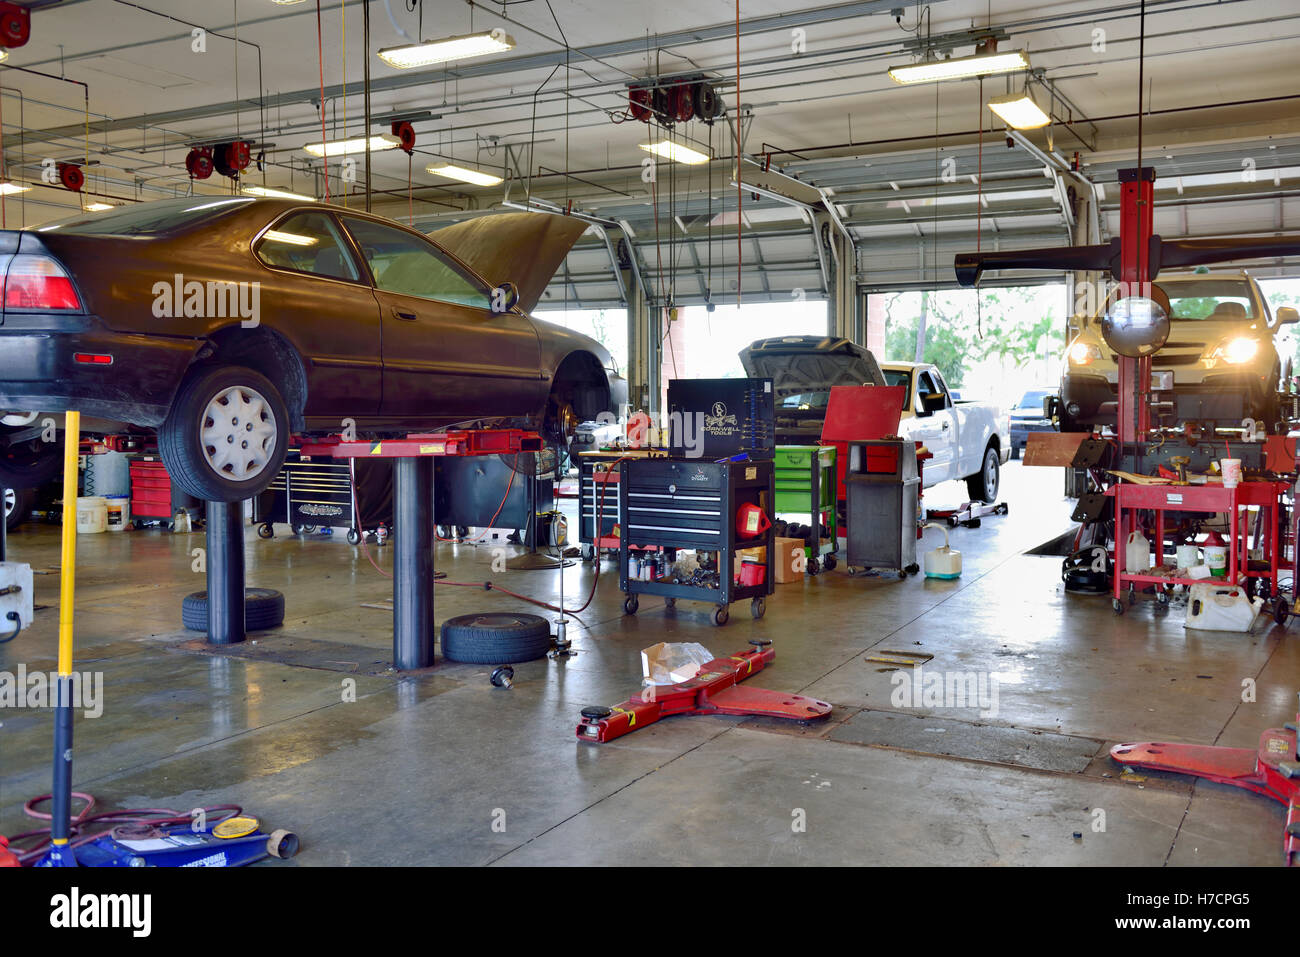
(523, 248)
(810, 363)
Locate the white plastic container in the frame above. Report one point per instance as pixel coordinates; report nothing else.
(1215, 607)
(1231, 469)
(92, 515)
(1216, 557)
(1189, 556)
(943, 562)
(118, 512)
(1137, 553)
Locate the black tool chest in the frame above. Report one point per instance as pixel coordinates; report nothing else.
(666, 505)
(305, 494)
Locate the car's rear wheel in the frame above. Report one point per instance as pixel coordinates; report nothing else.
(29, 462)
(983, 486)
(18, 506)
(226, 435)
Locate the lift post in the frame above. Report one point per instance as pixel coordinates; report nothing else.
(224, 534)
(413, 518)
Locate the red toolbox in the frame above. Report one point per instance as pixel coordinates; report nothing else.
(152, 496)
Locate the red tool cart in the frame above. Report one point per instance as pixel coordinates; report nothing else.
(1129, 497)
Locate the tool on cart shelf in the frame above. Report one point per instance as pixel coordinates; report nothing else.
(883, 487)
(805, 485)
(714, 690)
(1272, 769)
(713, 508)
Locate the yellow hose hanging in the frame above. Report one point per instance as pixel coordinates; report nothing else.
(68, 570)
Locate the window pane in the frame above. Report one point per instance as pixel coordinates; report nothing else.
(403, 264)
(307, 242)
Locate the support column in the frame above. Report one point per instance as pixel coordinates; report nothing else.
(225, 564)
(413, 563)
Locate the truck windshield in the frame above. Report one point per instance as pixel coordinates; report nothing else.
(1216, 299)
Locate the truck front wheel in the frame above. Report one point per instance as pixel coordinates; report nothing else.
(983, 485)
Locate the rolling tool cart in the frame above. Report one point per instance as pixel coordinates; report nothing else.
(308, 495)
(153, 498)
(805, 485)
(883, 484)
(598, 492)
(670, 504)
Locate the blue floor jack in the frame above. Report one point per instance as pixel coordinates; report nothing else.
(151, 838)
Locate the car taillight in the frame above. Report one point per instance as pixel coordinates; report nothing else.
(37, 283)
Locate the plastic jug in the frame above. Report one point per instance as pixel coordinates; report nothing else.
(943, 562)
(1137, 553)
(1216, 555)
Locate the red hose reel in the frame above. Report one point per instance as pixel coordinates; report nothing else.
(198, 163)
(15, 25)
(71, 176)
(405, 134)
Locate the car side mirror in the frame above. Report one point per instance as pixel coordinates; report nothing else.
(1287, 315)
(504, 298)
(933, 401)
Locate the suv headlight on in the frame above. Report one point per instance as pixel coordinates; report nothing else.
(1234, 352)
(1084, 353)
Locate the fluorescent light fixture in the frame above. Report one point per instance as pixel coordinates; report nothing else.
(8, 189)
(464, 174)
(292, 239)
(1019, 111)
(359, 144)
(675, 152)
(451, 48)
(99, 207)
(960, 68)
(276, 194)
(286, 3)
(4, 55)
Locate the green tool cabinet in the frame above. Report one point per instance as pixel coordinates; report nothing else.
(806, 485)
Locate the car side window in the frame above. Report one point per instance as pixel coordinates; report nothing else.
(307, 242)
(408, 266)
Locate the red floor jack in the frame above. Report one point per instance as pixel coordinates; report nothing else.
(967, 514)
(715, 690)
(1273, 771)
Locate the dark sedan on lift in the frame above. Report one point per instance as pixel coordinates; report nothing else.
(228, 324)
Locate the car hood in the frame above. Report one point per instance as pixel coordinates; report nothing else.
(523, 248)
(810, 364)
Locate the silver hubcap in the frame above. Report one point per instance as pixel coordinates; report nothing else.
(238, 433)
(11, 499)
(991, 473)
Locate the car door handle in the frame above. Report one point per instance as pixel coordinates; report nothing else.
(408, 316)
(947, 426)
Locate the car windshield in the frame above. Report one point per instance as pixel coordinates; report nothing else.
(1033, 399)
(806, 400)
(148, 219)
(1215, 299)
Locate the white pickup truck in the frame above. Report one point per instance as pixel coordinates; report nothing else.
(969, 440)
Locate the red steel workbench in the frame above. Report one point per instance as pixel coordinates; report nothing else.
(1130, 497)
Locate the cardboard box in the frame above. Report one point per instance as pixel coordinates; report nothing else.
(789, 560)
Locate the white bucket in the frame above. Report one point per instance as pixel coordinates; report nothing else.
(1231, 469)
(92, 515)
(1189, 556)
(118, 515)
(1216, 557)
(1137, 553)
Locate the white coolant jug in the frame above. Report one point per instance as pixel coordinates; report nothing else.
(943, 562)
(1217, 607)
(1137, 553)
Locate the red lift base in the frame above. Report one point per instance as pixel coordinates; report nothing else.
(714, 690)
(1273, 771)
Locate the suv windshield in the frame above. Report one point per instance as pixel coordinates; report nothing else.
(1217, 299)
(148, 219)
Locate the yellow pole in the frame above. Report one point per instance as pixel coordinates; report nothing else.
(68, 571)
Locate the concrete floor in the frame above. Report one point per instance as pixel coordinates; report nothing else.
(445, 769)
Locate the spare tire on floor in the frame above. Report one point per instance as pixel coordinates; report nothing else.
(495, 638)
(263, 608)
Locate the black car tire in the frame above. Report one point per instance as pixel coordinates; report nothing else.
(180, 438)
(263, 608)
(495, 638)
(18, 506)
(983, 486)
